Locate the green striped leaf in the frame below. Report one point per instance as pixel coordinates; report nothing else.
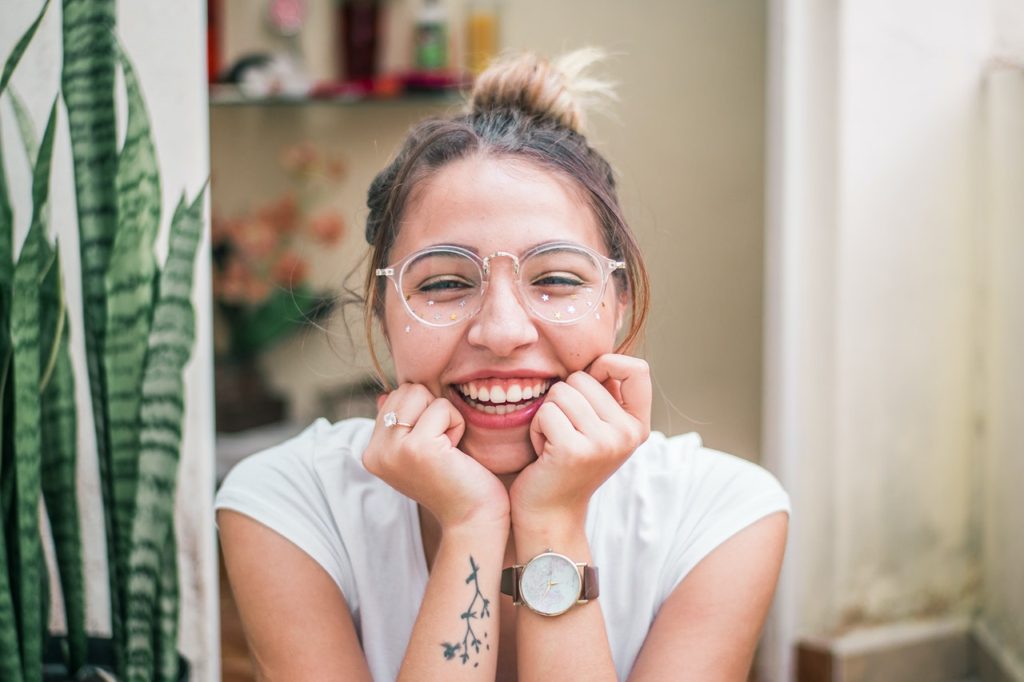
(25, 334)
(130, 281)
(19, 48)
(10, 654)
(87, 85)
(25, 127)
(169, 348)
(165, 641)
(59, 454)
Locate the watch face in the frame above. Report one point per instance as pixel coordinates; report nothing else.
(550, 584)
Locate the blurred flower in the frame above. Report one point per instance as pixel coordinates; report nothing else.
(327, 228)
(260, 268)
(299, 158)
(289, 270)
(256, 240)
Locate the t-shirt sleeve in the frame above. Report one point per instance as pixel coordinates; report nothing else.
(280, 489)
(722, 495)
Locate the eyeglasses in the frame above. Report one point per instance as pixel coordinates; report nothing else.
(560, 282)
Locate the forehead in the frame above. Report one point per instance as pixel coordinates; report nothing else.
(493, 204)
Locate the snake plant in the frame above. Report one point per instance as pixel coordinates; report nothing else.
(139, 331)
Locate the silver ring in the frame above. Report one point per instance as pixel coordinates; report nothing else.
(391, 419)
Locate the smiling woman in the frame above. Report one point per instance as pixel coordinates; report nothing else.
(514, 451)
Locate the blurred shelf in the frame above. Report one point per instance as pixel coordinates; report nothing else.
(345, 94)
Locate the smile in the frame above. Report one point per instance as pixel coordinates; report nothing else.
(502, 396)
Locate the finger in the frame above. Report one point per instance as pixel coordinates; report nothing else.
(441, 418)
(552, 427)
(408, 402)
(634, 377)
(380, 400)
(604, 403)
(575, 406)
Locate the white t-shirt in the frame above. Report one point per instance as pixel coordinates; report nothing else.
(664, 510)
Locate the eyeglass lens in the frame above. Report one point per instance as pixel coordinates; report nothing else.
(560, 284)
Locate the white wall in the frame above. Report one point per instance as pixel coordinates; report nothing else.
(167, 45)
(879, 355)
(1002, 395)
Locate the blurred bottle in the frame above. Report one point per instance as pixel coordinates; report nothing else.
(482, 24)
(431, 37)
(358, 25)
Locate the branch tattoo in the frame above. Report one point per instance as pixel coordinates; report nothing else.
(469, 637)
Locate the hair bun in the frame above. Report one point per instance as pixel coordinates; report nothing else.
(559, 90)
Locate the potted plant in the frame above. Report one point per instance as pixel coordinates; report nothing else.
(139, 330)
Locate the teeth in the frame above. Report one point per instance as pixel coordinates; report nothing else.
(503, 399)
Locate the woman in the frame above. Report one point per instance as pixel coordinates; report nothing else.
(515, 453)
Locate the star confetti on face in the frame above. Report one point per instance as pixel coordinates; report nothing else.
(558, 315)
(462, 303)
(454, 317)
(437, 316)
(408, 329)
(544, 297)
(571, 309)
(430, 303)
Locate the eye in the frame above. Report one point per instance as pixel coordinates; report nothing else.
(558, 279)
(447, 283)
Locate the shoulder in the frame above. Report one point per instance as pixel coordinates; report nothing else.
(294, 462)
(679, 471)
(686, 499)
(284, 489)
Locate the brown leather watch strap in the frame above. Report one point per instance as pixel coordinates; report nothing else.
(590, 587)
(510, 582)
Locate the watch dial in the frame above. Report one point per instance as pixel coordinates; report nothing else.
(550, 584)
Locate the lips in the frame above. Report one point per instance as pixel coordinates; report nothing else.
(502, 396)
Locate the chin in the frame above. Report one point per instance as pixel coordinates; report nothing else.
(499, 458)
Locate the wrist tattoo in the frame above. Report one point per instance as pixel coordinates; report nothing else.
(469, 637)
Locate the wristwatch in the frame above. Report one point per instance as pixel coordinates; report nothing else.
(550, 583)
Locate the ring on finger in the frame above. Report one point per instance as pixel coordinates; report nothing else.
(391, 419)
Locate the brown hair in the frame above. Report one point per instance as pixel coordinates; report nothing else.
(525, 108)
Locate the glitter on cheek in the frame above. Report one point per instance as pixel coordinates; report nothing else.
(453, 317)
(408, 329)
(544, 297)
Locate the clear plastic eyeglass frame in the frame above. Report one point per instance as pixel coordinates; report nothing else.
(558, 296)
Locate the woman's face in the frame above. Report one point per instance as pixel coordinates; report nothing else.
(488, 205)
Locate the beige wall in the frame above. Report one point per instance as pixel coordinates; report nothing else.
(686, 137)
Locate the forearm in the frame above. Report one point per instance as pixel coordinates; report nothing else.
(456, 632)
(574, 645)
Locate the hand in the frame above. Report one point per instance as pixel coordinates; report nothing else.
(587, 427)
(423, 463)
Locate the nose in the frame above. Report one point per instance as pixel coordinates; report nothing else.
(503, 323)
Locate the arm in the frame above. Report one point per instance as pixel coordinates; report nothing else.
(275, 583)
(588, 426)
(708, 628)
(574, 645)
(296, 619)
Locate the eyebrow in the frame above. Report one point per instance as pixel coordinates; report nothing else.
(475, 250)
